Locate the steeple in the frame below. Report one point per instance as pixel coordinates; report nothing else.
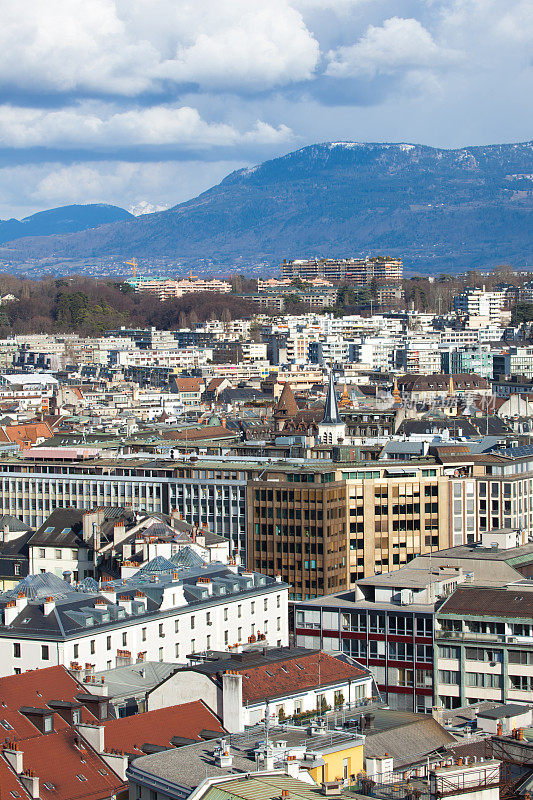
(331, 409)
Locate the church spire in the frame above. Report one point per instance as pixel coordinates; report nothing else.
(331, 409)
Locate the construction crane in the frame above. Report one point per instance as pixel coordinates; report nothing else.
(191, 276)
(133, 264)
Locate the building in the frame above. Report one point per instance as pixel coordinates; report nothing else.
(323, 530)
(483, 636)
(479, 360)
(332, 429)
(284, 682)
(515, 362)
(478, 302)
(360, 272)
(45, 716)
(308, 756)
(165, 612)
(167, 288)
(386, 624)
(14, 560)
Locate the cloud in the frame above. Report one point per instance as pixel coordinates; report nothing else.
(126, 48)
(90, 125)
(139, 187)
(396, 45)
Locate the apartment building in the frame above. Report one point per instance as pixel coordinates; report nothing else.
(359, 271)
(324, 528)
(484, 645)
(386, 624)
(479, 360)
(515, 361)
(478, 302)
(167, 288)
(164, 612)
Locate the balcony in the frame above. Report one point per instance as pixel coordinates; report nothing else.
(474, 637)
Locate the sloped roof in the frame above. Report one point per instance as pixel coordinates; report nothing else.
(159, 727)
(331, 409)
(507, 602)
(156, 565)
(36, 587)
(286, 405)
(187, 557)
(292, 675)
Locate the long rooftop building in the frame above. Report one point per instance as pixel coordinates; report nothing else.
(323, 524)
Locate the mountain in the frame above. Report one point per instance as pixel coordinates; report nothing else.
(67, 219)
(439, 209)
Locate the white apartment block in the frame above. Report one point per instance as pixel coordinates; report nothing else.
(478, 302)
(165, 612)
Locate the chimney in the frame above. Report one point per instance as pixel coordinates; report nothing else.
(94, 735)
(10, 612)
(67, 576)
(125, 602)
(223, 757)
(49, 605)
(109, 594)
(30, 783)
(119, 532)
(232, 706)
(21, 602)
(14, 757)
(205, 583)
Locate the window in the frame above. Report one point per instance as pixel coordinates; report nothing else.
(17, 569)
(448, 676)
(161, 629)
(239, 634)
(93, 647)
(161, 654)
(278, 624)
(176, 626)
(192, 623)
(124, 639)
(76, 651)
(143, 634)
(48, 724)
(239, 610)
(108, 643)
(44, 652)
(226, 637)
(252, 607)
(265, 604)
(225, 614)
(16, 650)
(278, 601)
(208, 643)
(58, 554)
(42, 552)
(177, 651)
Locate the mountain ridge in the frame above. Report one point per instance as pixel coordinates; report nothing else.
(441, 209)
(63, 219)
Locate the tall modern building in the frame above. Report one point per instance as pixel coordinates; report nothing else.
(359, 271)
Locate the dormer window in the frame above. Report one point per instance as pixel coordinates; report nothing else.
(76, 716)
(48, 724)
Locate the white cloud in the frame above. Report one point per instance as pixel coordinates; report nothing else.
(90, 125)
(125, 47)
(140, 187)
(398, 44)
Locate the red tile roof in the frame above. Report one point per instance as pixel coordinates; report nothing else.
(36, 688)
(159, 727)
(294, 675)
(53, 757)
(56, 760)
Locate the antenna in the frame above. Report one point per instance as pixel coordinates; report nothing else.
(267, 723)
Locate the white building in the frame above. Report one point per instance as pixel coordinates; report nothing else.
(478, 302)
(165, 612)
(278, 683)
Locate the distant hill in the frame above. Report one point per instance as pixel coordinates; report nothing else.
(67, 219)
(439, 209)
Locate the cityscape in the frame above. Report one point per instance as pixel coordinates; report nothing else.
(266, 400)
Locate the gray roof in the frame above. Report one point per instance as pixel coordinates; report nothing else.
(14, 524)
(187, 557)
(134, 680)
(504, 711)
(185, 767)
(331, 409)
(37, 587)
(405, 736)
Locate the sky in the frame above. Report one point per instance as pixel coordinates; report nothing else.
(146, 103)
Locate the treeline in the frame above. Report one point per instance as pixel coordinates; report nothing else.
(90, 306)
